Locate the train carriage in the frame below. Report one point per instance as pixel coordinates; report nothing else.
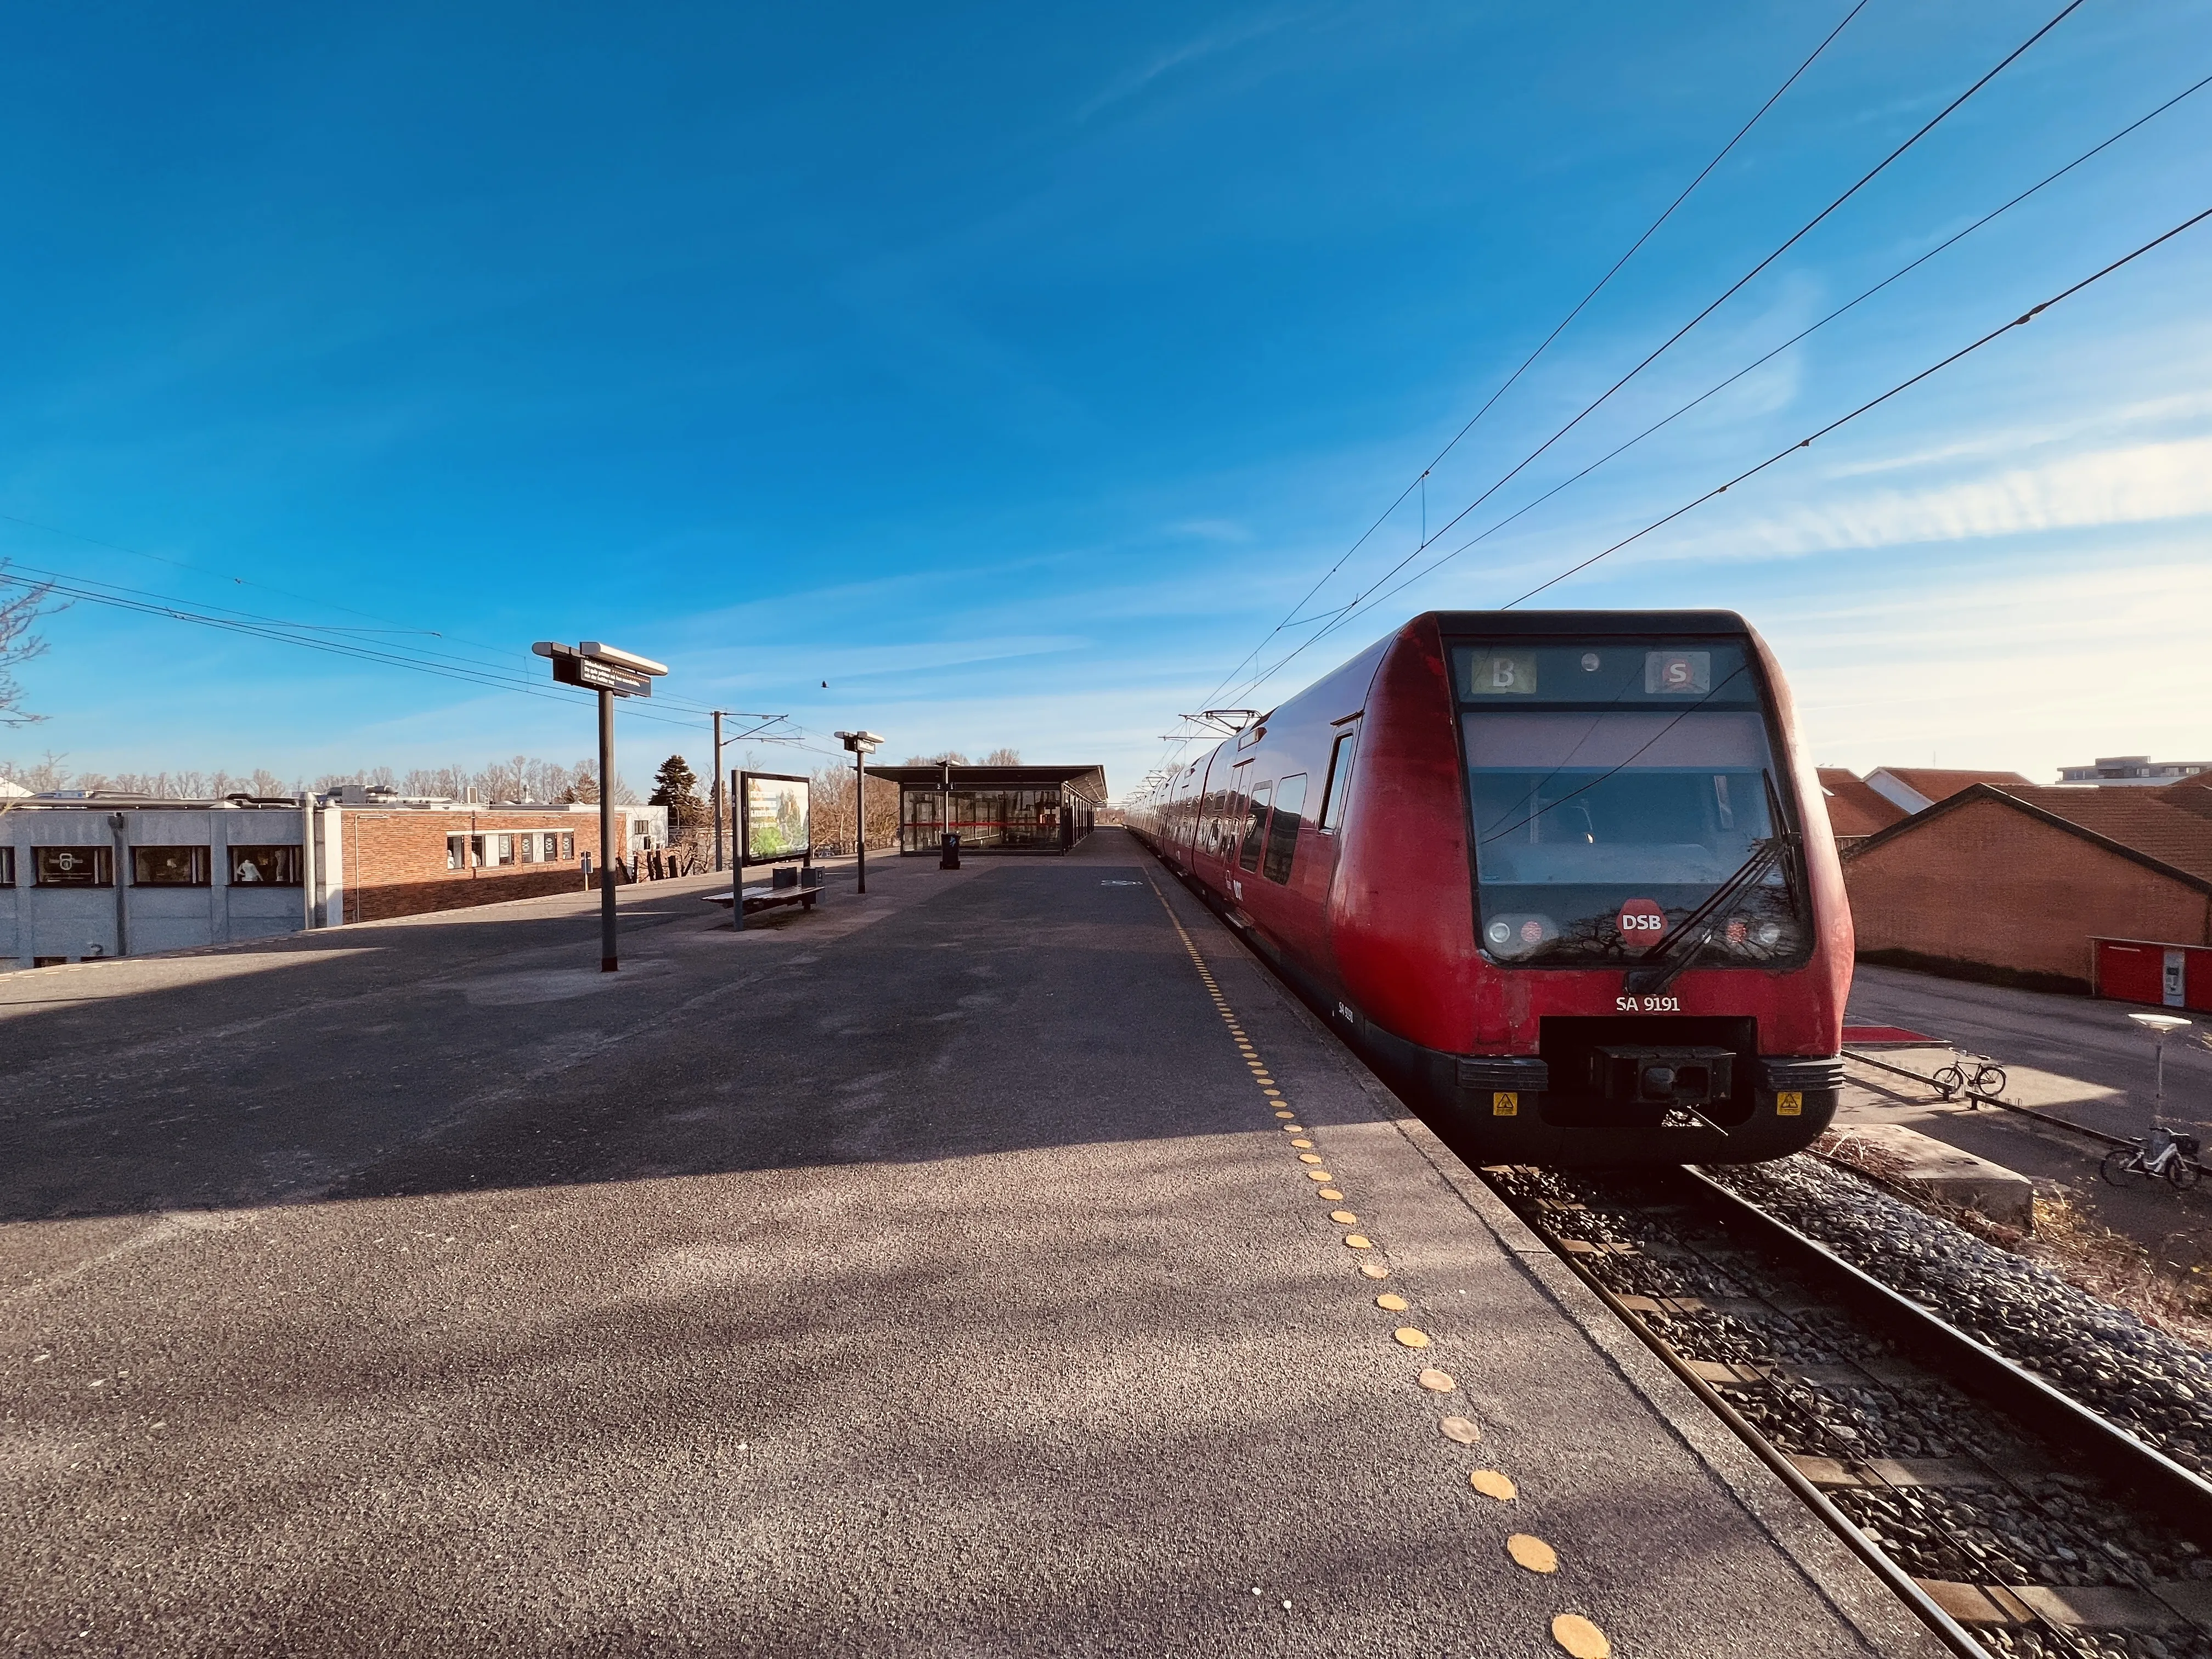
(1564, 877)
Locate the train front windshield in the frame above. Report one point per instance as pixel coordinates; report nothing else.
(1625, 804)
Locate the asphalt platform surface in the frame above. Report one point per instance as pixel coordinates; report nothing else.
(929, 1274)
(2078, 1059)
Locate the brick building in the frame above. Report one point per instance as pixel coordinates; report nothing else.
(2011, 884)
(403, 860)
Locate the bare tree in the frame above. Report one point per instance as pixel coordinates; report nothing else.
(545, 779)
(830, 799)
(21, 603)
(1003, 757)
(39, 775)
(263, 782)
(502, 780)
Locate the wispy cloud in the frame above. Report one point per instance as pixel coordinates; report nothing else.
(2136, 485)
(1130, 83)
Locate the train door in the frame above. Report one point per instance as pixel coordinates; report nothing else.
(1226, 824)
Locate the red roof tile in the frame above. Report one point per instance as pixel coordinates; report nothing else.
(1938, 784)
(1854, 809)
(2136, 818)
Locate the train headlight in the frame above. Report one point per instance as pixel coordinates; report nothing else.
(1768, 933)
(1511, 937)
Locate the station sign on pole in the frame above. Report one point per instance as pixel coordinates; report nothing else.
(597, 666)
(863, 744)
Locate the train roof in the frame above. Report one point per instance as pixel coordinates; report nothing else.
(1584, 623)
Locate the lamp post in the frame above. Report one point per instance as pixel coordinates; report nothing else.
(862, 744)
(2160, 1026)
(599, 667)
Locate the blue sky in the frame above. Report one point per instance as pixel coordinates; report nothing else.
(1016, 370)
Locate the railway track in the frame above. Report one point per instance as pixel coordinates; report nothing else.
(2014, 1518)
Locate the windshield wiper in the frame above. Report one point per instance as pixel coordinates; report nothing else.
(1662, 965)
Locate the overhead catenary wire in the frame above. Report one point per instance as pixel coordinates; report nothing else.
(278, 633)
(502, 652)
(1421, 480)
(1735, 288)
(1806, 443)
(1871, 403)
(1360, 604)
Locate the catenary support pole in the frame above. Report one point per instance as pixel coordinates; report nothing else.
(607, 960)
(861, 813)
(307, 859)
(737, 856)
(718, 789)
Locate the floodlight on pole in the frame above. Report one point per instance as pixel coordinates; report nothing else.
(863, 744)
(2160, 1026)
(596, 667)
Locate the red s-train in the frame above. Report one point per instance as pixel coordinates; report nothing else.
(1565, 877)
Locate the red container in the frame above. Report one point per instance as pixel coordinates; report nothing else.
(2158, 974)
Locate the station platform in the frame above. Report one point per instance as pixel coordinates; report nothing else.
(932, 1274)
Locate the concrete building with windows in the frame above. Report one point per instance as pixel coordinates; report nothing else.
(2132, 772)
(85, 879)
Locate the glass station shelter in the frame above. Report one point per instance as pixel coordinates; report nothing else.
(996, 808)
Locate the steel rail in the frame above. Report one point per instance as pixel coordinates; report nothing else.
(1895, 1579)
(2142, 1471)
(1980, 1099)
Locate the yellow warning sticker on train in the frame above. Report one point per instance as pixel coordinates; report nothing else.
(1504, 1104)
(1789, 1102)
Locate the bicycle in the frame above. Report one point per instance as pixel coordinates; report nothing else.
(1988, 1078)
(2160, 1152)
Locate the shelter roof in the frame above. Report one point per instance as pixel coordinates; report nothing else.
(1088, 781)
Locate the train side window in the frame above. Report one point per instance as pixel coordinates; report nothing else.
(1255, 824)
(1337, 792)
(1283, 828)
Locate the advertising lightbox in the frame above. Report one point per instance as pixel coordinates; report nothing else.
(774, 810)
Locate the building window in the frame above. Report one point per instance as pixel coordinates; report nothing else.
(264, 866)
(529, 850)
(169, 866)
(74, 867)
(506, 849)
(568, 844)
(7, 867)
(477, 859)
(552, 847)
(457, 852)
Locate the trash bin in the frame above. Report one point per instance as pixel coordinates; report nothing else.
(951, 858)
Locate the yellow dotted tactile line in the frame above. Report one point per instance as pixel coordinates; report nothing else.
(1577, 1635)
